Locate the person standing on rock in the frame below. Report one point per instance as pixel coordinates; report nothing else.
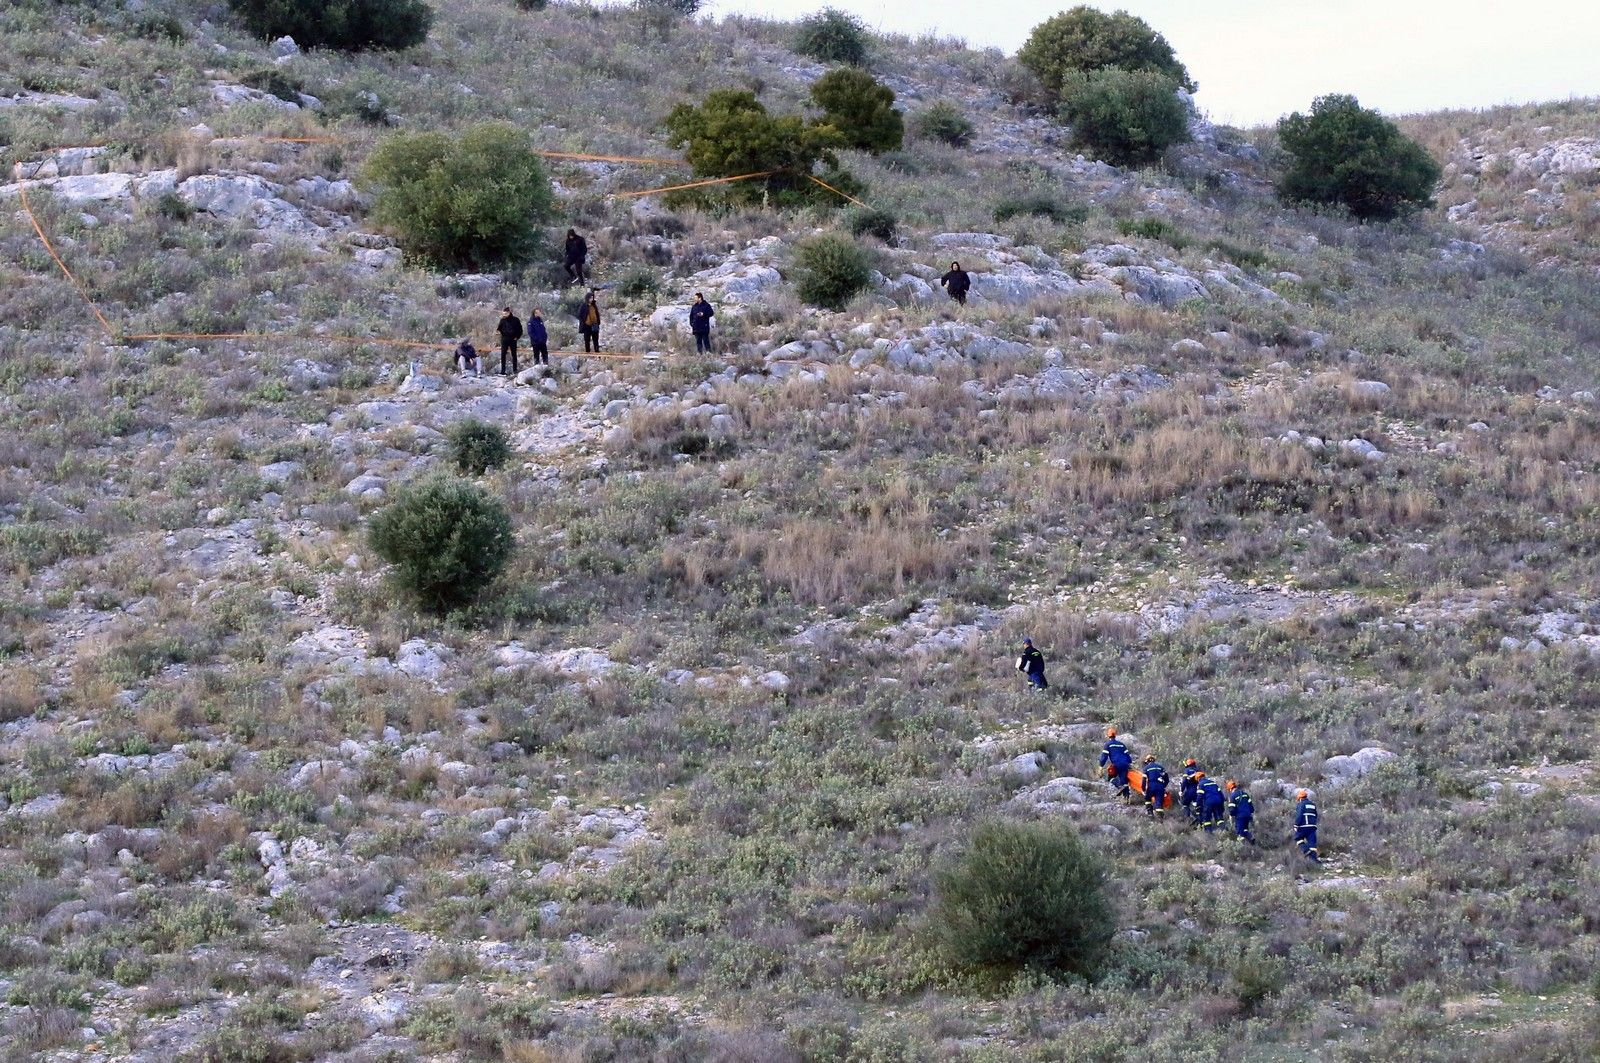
(700, 315)
(1156, 781)
(467, 357)
(958, 282)
(1116, 759)
(1305, 826)
(510, 329)
(1189, 791)
(589, 323)
(538, 339)
(577, 258)
(1213, 805)
(1242, 810)
(1031, 664)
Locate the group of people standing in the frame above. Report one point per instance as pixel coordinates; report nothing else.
(1205, 804)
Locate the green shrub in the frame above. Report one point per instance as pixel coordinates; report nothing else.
(861, 108)
(831, 269)
(1125, 117)
(731, 133)
(478, 446)
(1342, 153)
(1153, 229)
(271, 79)
(832, 36)
(533, 5)
(1083, 40)
(347, 25)
(638, 282)
(945, 122)
(1025, 895)
(871, 221)
(1040, 206)
(464, 201)
(447, 538)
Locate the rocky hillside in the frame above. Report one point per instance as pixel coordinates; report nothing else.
(1316, 503)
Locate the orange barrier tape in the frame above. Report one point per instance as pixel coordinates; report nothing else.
(692, 184)
(33, 219)
(835, 191)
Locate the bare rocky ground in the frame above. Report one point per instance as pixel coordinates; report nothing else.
(247, 792)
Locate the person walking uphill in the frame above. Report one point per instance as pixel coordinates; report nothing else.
(1242, 810)
(1156, 781)
(1305, 826)
(958, 282)
(577, 258)
(510, 329)
(1116, 760)
(700, 315)
(589, 324)
(1213, 805)
(1031, 664)
(538, 339)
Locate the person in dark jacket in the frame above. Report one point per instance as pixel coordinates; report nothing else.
(1305, 826)
(589, 323)
(467, 357)
(538, 339)
(1031, 664)
(577, 258)
(510, 329)
(1189, 791)
(1213, 804)
(958, 282)
(700, 315)
(1116, 759)
(1242, 810)
(1156, 781)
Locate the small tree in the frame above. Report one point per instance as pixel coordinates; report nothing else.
(832, 36)
(1124, 116)
(731, 133)
(478, 446)
(1343, 153)
(832, 268)
(463, 201)
(861, 108)
(447, 539)
(945, 122)
(347, 25)
(875, 222)
(1025, 895)
(1084, 39)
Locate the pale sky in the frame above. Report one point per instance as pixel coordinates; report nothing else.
(1258, 59)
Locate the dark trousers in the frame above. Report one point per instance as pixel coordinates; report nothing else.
(591, 338)
(960, 297)
(1037, 680)
(576, 273)
(1155, 800)
(702, 342)
(508, 347)
(541, 353)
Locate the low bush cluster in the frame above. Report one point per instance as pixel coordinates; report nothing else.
(861, 108)
(478, 446)
(731, 134)
(832, 36)
(1084, 40)
(945, 122)
(446, 538)
(831, 270)
(346, 25)
(1343, 154)
(472, 200)
(1128, 117)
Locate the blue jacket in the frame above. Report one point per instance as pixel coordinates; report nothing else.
(700, 315)
(1211, 799)
(1242, 807)
(1305, 814)
(1188, 785)
(1155, 778)
(1116, 754)
(536, 330)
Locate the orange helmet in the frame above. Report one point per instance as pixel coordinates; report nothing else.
(1301, 795)
(1189, 763)
(1232, 785)
(1199, 775)
(1111, 732)
(1149, 758)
